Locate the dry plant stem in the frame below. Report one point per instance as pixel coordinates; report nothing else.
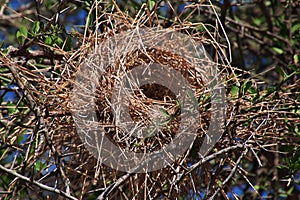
(232, 173)
(204, 160)
(113, 186)
(8, 19)
(178, 170)
(40, 185)
(241, 171)
(210, 157)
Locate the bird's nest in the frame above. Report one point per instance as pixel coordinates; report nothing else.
(133, 87)
(254, 118)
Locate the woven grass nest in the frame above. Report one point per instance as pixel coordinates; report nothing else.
(251, 125)
(101, 78)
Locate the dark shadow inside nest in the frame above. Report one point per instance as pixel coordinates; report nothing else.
(150, 101)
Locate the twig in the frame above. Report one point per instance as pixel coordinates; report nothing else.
(40, 185)
(112, 187)
(210, 157)
(232, 173)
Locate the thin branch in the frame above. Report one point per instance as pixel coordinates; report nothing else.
(212, 156)
(232, 173)
(40, 185)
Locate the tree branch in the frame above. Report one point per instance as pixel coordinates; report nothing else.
(38, 184)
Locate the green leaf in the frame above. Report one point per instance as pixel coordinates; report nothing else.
(204, 98)
(22, 35)
(164, 112)
(253, 90)
(11, 107)
(23, 30)
(36, 27)
(201, 28)
(283, 195)
(290, 191)
(278, 50)
(55, 27)
(55, 40)
(246, 86)
(68, 44)
(151, 4)
(59, 42)
(40, 166)
(296, 59)
(19, 38)
(235, 91)
(295, 28)
(48, 40)
(257, 21)
(219, 182)
(271, 89)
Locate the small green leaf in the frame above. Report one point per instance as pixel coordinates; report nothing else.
(201, 28)
(257, 21)
(39, 166)
(23, 30)
(3, 70)
(68, 44)
(36, 27)
(235, 91)
(164, 112)
(55, 27)
(151, 4)
(295, 28)
(219, 182)
(253, 90)
(59, 42)
(278, 50)
(48, 40)
(22, 35)
(11, 107)
(290, 191)
(296, 59)
(19, 38)
(246, 86)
